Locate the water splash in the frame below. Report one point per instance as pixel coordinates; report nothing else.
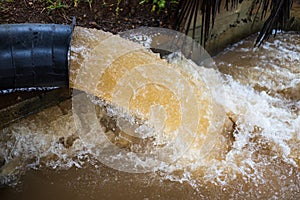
(258, 157)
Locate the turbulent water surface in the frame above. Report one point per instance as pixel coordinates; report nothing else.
(253, 123)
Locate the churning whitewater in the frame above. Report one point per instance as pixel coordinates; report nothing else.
(248, 145)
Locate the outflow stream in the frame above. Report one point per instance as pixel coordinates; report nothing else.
(145, 128)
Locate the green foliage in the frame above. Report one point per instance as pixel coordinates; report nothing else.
(90, 3)
(6, 1)
(9, 1)
(76, 2)
(118, 7)
(3, 1)
(157, 4)
(3, 8)
(57, 4)
(53, 5)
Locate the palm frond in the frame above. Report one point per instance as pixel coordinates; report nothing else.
(278, 19)
(188, 13)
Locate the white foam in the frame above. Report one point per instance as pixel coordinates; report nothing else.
(266, 131)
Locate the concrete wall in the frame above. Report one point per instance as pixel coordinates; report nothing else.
(295, 14)
(230, 26)
(233, 25)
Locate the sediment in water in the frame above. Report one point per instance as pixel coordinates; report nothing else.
(259, 160)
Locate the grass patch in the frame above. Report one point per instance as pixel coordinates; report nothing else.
(158, 5)
(54, 5)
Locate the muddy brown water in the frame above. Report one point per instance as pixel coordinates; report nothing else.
(256, 157)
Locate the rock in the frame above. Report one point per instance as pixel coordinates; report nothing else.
(2, 162)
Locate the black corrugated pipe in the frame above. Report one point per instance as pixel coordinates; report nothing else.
(34, 55)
